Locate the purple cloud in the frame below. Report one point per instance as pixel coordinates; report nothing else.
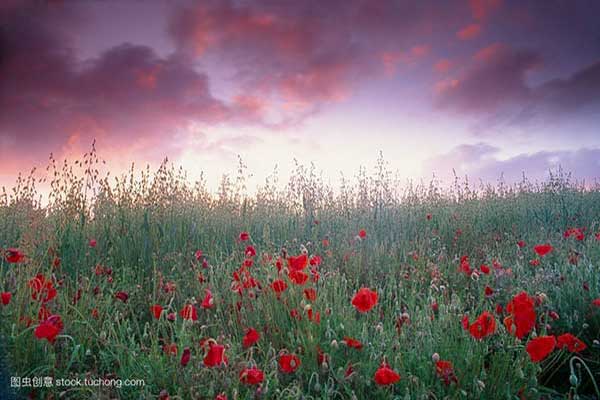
(481, 162)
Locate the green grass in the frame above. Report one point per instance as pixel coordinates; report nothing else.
(148, 229)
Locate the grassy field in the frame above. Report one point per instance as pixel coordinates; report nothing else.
(306, 292)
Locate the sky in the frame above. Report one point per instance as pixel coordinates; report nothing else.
(486, 88)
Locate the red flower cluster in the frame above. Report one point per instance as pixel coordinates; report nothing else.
(42, 289)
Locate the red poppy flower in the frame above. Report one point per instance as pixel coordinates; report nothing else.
(314, 316)
(289, 363)
(251, 376)
(250, 338)
(445, 371)
(465, 266)
(543, 249)
(315, 261)
(215, 356)
(325, 242)
(93, 243)
(353, 343)
(95, 313)
(578, 233)
(464, 321)
(250, 251)
(521, 243)
(385, 375)
(244, 236)
(221, 396)
(522, 315)
(208, 300)
(484, 325)
(123, 296)
(364, 300)
(185, 357)
(42, 289)
(14, 256)
(295, 314)
(571, 342)
(535, 262)
(485, 269)
(596, 302)
(297, 263)
(6, 296)
(156, 310)
(189, 312)
(198, 255)
(362, 234)
(428, 216)
(298, 277)
(49, 328)
(488, 291)
(310, 294)
(540, 347)
(170, 349)
(279, 286)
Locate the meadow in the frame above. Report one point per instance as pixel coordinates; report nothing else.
(299, 291)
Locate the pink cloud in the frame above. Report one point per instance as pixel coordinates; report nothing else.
(482, 9)
(469, 32)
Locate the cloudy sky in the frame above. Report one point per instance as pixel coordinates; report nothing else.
(482, 86)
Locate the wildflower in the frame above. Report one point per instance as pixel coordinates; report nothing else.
(6, 296)
(297, 263)
(289, 363)
(543, 249)
(185, 357)
(310, 294)
(14, 255)
(445, 371)
(93, 243)
(244, 236)
(521, 244)
(198, 255)
(540, 347)
(251, 376)
(208, 300)
(484, 325)
(571, 342)
(278, 286)
(465, 266)
(42, 289)
(250, 251)
(170, 349)
(352, 343)
(362, 234)
(156, 310)
(49, 328)
(215, 356)
(189, 312)
(364, 300)
(522, 315)
(596, 302)
(484, 269)
(385, 375)
(123, 296)
(315, 261)
(298, 277)
(250, 338)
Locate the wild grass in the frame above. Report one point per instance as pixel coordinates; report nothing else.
(148, 226)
